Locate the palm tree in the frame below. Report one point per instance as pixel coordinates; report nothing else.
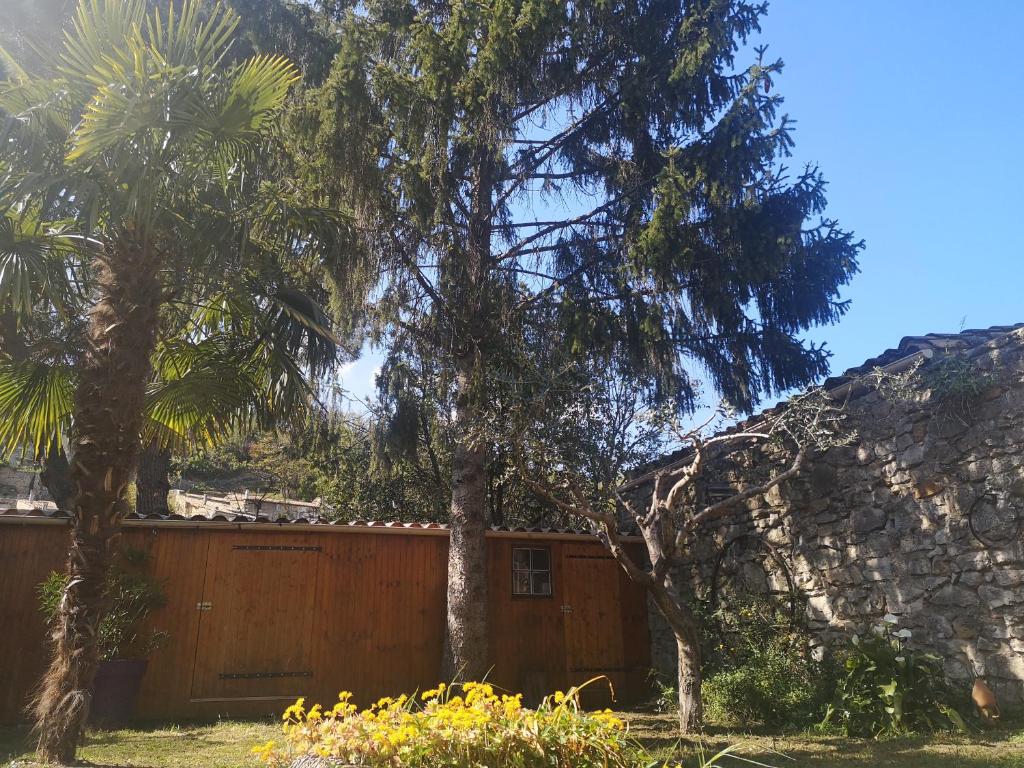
(154, 159)
(244, 364)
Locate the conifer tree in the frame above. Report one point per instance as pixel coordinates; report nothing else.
(614, 168)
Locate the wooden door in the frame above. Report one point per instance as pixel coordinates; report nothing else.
(256, 618)
(593, 619)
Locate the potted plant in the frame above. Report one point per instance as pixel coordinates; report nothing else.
(125, 642)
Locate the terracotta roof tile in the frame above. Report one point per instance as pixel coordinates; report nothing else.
(222, 517)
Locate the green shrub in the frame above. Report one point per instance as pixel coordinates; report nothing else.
(889, 689)
(759, 669)
(132, 593)
(777, 684)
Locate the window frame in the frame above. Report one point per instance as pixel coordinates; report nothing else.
(531, 571)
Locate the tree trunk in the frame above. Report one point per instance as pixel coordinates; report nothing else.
(691, 705)
(153, 481)
(466, 653)
(56, 476)
(466, 656)
(684, 626)
(108, 415)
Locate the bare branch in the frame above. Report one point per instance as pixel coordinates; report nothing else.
(724, 507)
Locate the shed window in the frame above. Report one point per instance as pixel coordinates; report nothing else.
(531, 571)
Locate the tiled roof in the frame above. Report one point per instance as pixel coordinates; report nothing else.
(28, 515)
(933, 343)
(936, 342)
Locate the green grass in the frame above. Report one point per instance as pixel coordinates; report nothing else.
(218, 745)
(996, 748)
(227, 744)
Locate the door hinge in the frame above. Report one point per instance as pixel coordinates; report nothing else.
(204, 606)
(566, 609)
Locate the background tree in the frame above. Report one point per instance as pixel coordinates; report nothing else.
(674, 513)
(605, 167)
(157, 157)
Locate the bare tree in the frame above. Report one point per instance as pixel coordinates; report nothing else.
(671, 519)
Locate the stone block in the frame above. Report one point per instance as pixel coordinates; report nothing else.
(964, 628)
(867, 519)
(911, 456)
(1009, 577)
(996, 597)
(954, 595)
(925, 489)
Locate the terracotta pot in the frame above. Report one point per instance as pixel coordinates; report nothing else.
(115, 691)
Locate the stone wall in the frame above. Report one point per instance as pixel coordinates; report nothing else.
(20, 485)
(921, 518)
(206, 505)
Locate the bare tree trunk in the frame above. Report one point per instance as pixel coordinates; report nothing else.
(153, 481)
(466, 652)
(466, 656)
(684, 626)
(691, 705)
(108, 415)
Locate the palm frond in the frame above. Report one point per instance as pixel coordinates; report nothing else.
(35, 404)
(199, 405)
(182, 38)
(33, 263)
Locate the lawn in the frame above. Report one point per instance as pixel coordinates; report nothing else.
(227, 744)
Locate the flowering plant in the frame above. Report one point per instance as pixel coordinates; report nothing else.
(889, 689)
(466, 726)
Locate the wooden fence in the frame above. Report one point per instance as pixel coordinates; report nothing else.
(259, 613)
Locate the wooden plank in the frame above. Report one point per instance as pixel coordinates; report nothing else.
(593, 628)
(527, 639)
(27, 555)
(255, 640)
(365, 614)
(178, 561)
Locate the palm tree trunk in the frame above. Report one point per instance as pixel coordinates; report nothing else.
(56, 476)
(108, 415)
(153, 481)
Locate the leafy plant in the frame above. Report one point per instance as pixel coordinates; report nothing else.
(957, 384)
(777, 684)
(666, 697)
(759, 665)
(890, 689)
(133, 594)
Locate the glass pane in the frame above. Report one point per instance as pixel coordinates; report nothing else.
(520, 583)
(541, 560)
(521, 559)
(542, 583)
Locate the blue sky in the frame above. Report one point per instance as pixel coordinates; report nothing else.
(913, 110)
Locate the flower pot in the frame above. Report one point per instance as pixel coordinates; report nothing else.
(115, 691)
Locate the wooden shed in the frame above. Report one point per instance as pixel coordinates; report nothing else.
(259, 613)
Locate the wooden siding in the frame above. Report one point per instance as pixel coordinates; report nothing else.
(319, 611)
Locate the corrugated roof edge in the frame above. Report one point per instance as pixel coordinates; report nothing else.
(964, 341)
(58, 517)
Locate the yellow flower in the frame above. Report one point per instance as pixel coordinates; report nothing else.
(264, 751)
(295, 711)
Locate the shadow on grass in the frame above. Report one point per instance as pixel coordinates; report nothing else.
(1000, 747)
